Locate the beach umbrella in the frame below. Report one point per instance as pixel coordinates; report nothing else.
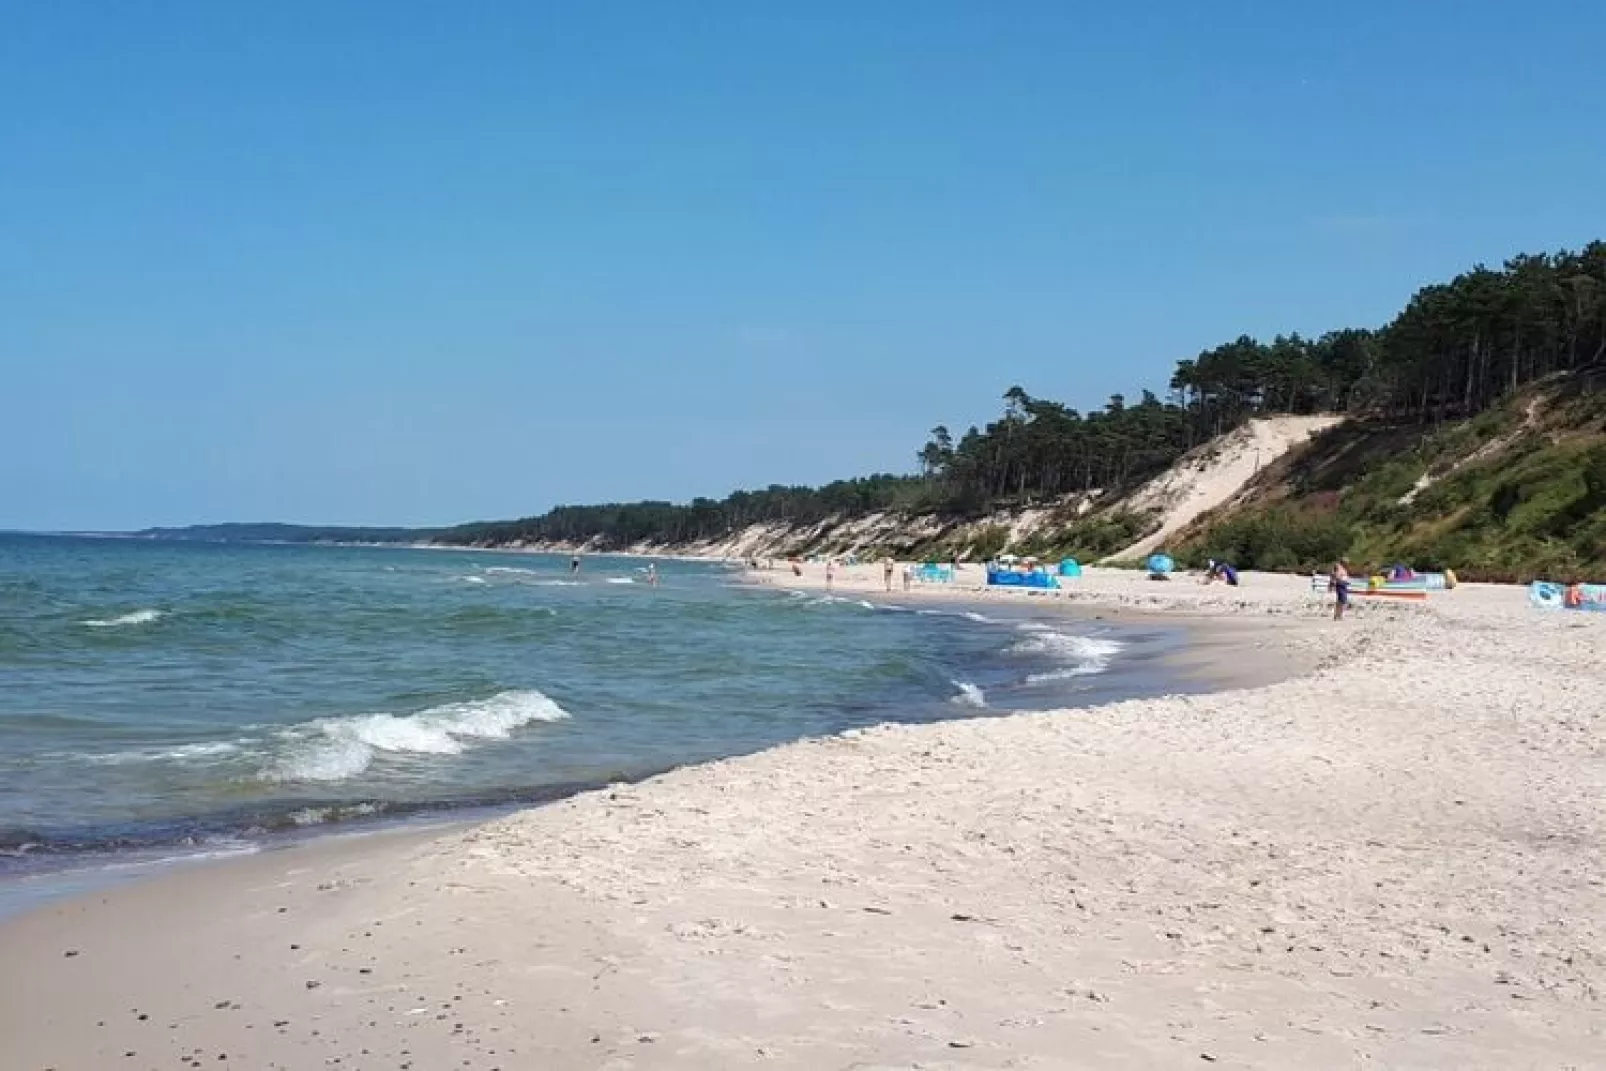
(1161, 563)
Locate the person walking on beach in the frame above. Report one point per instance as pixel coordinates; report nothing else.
(886, 571)
(1338, 580)
(908, 576)
(830, 573)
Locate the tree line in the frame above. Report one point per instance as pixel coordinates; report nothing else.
(1455, 350)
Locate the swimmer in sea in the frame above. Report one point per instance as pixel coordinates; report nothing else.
(574, 565)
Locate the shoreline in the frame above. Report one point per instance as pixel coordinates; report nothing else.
(1244, 637)
(1394, 856)
(39, 878)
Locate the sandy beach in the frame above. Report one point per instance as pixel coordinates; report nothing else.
(1390, 855)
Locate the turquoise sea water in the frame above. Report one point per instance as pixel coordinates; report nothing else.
(183, 695)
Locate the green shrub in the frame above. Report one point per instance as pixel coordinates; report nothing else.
(1275, 540)
(989, 542)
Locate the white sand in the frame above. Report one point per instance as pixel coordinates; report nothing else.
(1211, 475)
(1393, 861)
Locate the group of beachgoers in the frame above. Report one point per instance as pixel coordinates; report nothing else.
(1338, 577)
(1338, 582)
(889, 570)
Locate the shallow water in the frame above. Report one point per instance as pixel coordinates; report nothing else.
(201, 695)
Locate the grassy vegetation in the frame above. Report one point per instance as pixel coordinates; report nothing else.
(1087, 539)
(1515, 494)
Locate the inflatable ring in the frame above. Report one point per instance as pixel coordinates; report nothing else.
(1545, 595)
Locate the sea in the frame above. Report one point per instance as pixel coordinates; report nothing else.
(170, 700)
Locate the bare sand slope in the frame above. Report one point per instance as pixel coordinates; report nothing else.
(1210, 476)
(1395, 861)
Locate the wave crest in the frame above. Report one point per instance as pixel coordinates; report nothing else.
(1087, 655)
(333, 749)
(138, 617)
(970, 695)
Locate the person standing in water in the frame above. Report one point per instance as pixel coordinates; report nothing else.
(1338, 580)
(652, 573)
(574, 565)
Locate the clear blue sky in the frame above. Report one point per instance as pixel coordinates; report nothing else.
(429, 262)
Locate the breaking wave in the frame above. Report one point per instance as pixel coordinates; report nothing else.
(1086, 655)
(969, 695)
(181, 753)
(333, 749)
(138, 617)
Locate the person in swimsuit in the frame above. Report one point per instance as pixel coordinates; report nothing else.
(1338, 580)
(830, 573)
(886, 571)
(574, 565)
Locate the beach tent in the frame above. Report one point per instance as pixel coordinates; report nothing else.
(1070, 567)
(1160, 564)
(1014, 578)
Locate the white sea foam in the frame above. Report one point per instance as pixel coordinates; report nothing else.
(557, 584)
(841, 600)
(316, 816)
(508, 569)
(472, 579)
(1068, 673)
(333, 749)
(1086, 654)
(969, 695)
(621, 580)
(980, 619)
(138, 617)
(183, 753)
